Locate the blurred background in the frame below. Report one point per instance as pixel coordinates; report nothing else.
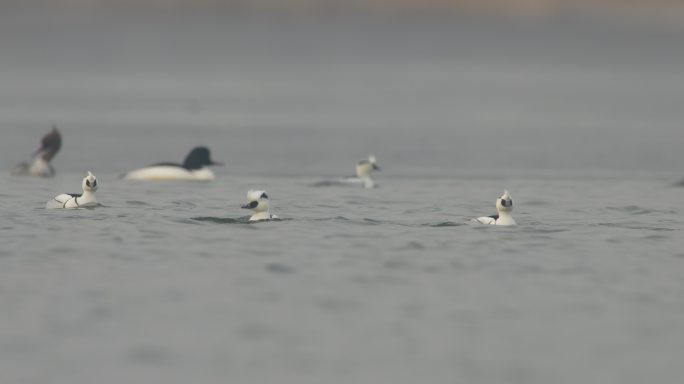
(432, 87)
(502, 7)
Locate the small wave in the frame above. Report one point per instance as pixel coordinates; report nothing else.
(327, 206)
(138, 203)
(336, 218)
(543, 230)
(93, 206)
(326, 183)
(444, 224)
(184, 203)
(363, 221)
(222, 220)
(636, 226)
(232, 220)
(632, 209)
(371, 221)
(655, 237)
(279, 268)
(432, 208)
(412, 246)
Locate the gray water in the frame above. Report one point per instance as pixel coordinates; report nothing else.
(579, 119)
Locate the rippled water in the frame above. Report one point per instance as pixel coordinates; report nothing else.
(168, 282)
(359, 285)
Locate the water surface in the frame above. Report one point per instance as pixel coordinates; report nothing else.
(579, 120)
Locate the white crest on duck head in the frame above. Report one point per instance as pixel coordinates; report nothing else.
(90, 182)
(256, 194)
(366, 166)
(373, 162)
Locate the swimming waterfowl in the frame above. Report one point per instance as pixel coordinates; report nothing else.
(74, 200)
(257, 201)
(364, 168)
(194, 168)
(504, 206)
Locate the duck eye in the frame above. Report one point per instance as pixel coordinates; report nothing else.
(253, 204)
(88, 183)
(94, 183)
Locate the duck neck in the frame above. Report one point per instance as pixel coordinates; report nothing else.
(86, 197)
(263, 215)
(505, 218)
(367, 181)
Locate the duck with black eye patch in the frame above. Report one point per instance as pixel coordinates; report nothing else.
(504, 206)
(257, 201)
(77, 200)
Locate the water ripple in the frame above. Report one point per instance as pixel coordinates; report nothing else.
(444, 224)
(636, 226)
(223, 220)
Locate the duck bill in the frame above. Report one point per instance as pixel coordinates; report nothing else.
(246, 206)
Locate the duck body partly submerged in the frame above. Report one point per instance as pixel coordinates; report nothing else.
(194, 168)
(170, 171)
(364, 168)
(504, 206)
(77, 200)
(257, 201)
